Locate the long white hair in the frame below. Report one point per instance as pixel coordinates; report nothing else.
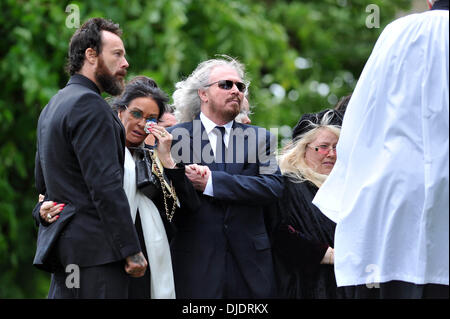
(186, 99)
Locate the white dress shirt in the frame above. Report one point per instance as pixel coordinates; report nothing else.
(209, 128)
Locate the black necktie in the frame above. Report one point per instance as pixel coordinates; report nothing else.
(220, 147)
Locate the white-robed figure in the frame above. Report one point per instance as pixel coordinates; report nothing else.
(389, 189)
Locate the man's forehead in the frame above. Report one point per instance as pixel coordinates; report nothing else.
(110, 39)
(224, 72)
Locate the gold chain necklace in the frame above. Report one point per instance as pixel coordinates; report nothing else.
(172, 194)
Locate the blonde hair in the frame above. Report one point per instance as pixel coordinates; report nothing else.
(292, 158)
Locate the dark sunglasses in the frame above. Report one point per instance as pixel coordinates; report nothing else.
(228, 85)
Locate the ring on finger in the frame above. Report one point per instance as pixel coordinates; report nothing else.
(49, 216)
(163, 134)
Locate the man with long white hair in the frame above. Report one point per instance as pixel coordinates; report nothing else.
(223, 250)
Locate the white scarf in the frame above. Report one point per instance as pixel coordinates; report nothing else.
(158, 250)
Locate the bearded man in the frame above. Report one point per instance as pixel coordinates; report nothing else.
(223, 249)
(79, 166)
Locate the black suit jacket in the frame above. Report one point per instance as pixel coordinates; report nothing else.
(232, 220)
(79, 162)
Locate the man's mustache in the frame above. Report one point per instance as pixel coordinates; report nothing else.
(121, 73)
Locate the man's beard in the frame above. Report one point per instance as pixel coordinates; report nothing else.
(226, 115)
(108, 82)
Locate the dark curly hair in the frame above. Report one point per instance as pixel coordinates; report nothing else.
(141, 86)
(88, 36)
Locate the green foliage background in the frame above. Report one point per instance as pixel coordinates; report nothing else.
(301, 56)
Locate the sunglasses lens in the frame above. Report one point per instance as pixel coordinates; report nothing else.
(240, 86)
(225, 84)
(323, 150)
(137, 115)
(228, 84)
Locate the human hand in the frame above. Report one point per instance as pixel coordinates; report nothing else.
(164, 144)
(198, 175)
(328, 258)
(50, 211)
(136, 265)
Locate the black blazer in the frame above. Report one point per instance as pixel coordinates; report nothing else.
(232, 220)
(79, 162)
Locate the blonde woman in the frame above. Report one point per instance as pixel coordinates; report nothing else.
(302, 235)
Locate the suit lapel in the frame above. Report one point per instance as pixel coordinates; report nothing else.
(122, 137)
(116, 118)
(237, 150)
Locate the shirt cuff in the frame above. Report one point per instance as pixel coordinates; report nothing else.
(209, 187)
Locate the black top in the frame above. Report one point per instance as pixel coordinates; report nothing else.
(301, 235)
(140, 288)
(440, 5)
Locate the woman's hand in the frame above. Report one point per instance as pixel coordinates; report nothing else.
(164, 145)
(198, 175)
(328, 259)
(50, 211)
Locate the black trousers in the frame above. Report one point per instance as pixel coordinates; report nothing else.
(235, 286)
(139, 288)
(109, 281)
(398, 290)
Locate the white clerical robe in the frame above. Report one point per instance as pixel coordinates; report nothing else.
(389, 189)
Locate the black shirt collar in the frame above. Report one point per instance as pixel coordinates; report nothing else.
(81, 79)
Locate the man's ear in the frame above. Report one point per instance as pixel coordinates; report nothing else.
(91, 55)
(203, 96)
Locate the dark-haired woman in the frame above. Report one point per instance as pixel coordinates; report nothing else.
(139, 105)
